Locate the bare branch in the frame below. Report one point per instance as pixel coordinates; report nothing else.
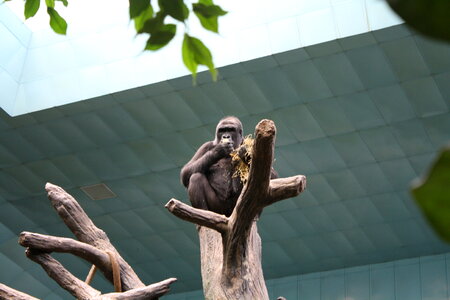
(198, 216)
(283, 188)
(47, 243)
(84, 229)
(250, 203)
(252, 198)
(9, 293)
(153, 291)
(64, 278)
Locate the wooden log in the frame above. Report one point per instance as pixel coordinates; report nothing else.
(247, 280)
(283, 188)
(84, 229)
(7, 293)
(198, 216)
(94, 246)
(78, 288)
(153, 291)
(47, 243)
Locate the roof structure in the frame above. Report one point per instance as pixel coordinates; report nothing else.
(360, 116)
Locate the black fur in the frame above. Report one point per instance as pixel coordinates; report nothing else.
(208, 175)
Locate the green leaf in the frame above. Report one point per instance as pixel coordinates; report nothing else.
(57, 23)
(65, 2)
(196, 53)
(161, 37)
(430, 17)
(154, 24)
(209, 10)
(31, 8)
(50, 3)
(174, 8)
(140, 20)
(137, 7)
(208, 14)
(210, 24)
(433, 194)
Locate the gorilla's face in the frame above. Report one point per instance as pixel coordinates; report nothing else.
(229, 130)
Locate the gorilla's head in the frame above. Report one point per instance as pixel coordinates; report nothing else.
(229, 130)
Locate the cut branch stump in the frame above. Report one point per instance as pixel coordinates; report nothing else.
(230, 246)
(93, 246)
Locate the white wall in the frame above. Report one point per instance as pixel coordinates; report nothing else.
(101, 55)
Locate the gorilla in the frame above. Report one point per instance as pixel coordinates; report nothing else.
(208, 176)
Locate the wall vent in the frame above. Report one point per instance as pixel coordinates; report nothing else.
(98, 191)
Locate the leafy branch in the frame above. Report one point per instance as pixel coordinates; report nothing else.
(57, 23)
(151, 20)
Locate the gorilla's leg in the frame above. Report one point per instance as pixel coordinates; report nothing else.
(200, 192)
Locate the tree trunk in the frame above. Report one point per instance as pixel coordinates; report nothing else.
(248, 283)
(230, 246)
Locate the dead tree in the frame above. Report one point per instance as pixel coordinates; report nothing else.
(93, 246)
(230, 246)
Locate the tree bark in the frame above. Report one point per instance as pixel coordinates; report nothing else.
(84, 229)
(153, 291)
(94, 246)
(9, 293)
(79, 289)
(231, 247)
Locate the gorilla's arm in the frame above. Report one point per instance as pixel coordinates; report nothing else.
(205, 157)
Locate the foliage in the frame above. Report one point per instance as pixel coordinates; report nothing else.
(433, 194)
(430, 17)
(196, 53)
(151, 20)
(57, 23)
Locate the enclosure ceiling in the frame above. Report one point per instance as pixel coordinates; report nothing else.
(361, 117)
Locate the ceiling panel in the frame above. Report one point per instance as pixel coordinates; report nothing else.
(352, 149)
(307, 81)
(331, 68)
(425, 97)
(330, 116)
(361, 110)
(382, 143)
(360, 123)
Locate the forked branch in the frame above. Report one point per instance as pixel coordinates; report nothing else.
(84, 229)
(47, 243)
(94, 246)
(79, 289)
(258, 193)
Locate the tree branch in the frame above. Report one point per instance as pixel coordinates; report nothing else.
(153, 291)
(64, 278)
(9, 293)
(283, 188)
(198, 216)
(84, 229)
(46, 243)
(251, 201)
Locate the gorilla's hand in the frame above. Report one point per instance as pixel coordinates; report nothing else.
(243, 154)
(223, 149)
